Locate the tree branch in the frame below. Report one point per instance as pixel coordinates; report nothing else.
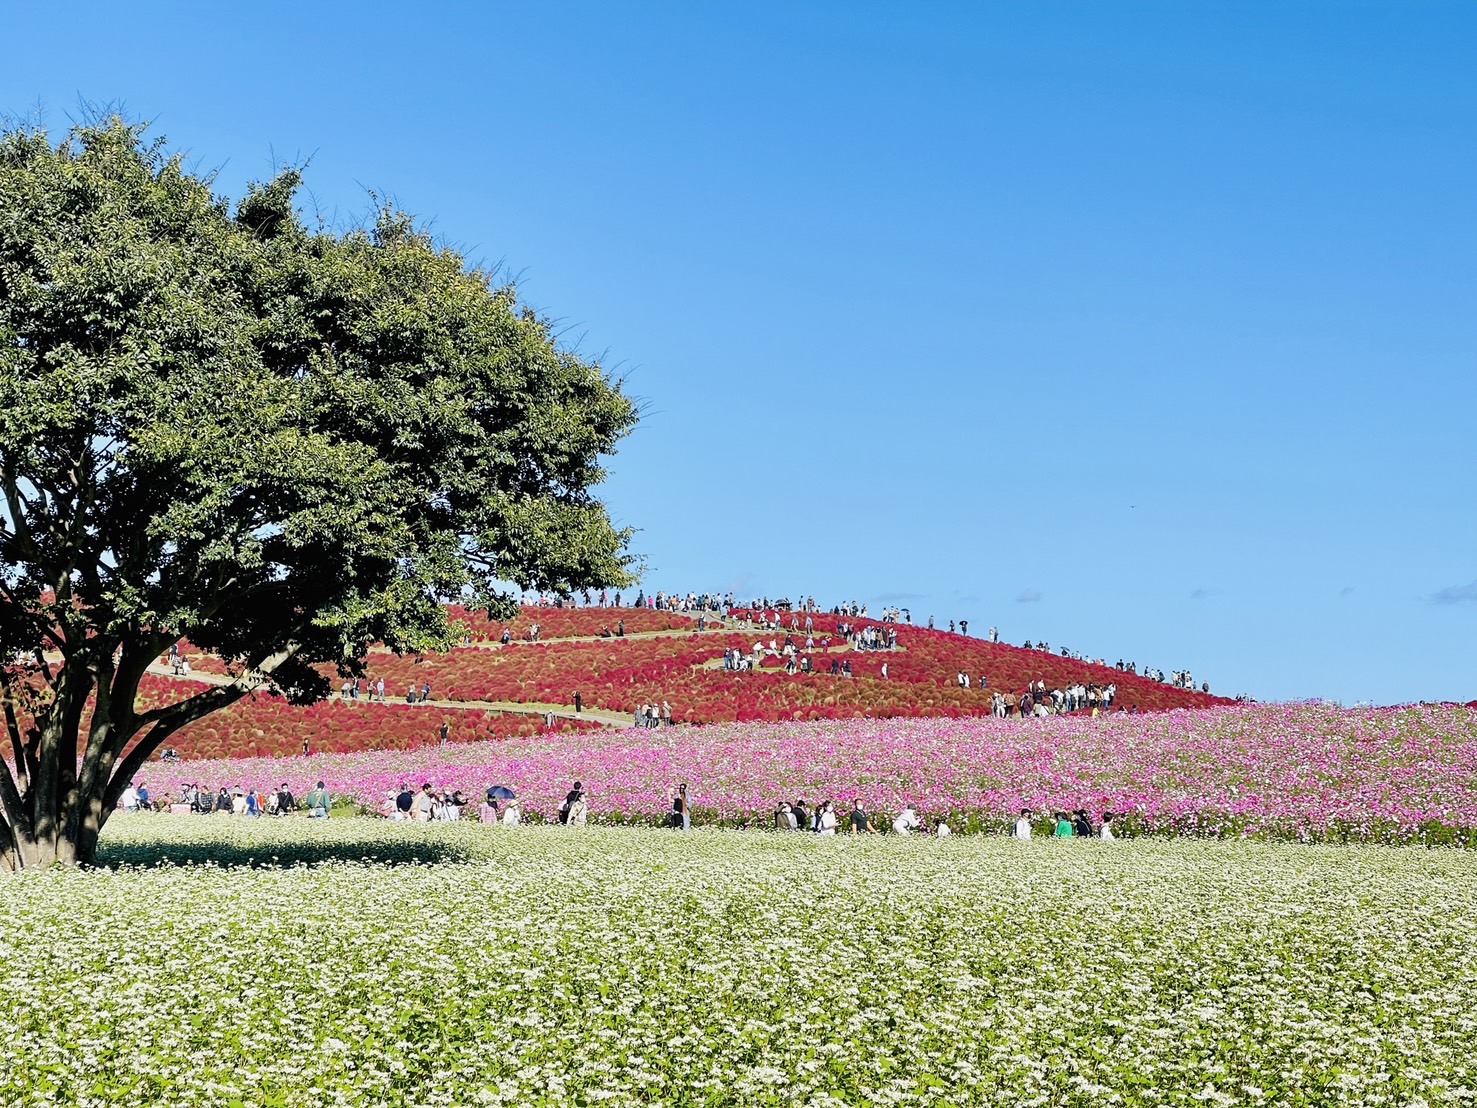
(166, 721)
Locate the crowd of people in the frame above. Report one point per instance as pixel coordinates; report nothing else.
(783, 614)
(1067, 825)
(652, 715)
(193, 799)
(500, 806)
(373, 691)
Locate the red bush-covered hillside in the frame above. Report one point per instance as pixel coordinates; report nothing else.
(662, 657)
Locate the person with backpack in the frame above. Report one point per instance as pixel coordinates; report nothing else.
(318, 802)
(575, 796)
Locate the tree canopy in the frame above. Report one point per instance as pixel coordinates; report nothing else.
(280, 443)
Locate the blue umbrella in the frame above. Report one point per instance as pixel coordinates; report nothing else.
(501, 792)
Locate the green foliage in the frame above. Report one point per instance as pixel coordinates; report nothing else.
(283, 444)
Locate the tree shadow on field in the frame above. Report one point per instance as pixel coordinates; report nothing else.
(278, 855)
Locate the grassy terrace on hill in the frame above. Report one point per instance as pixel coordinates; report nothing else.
(662, 658)
(544, 967)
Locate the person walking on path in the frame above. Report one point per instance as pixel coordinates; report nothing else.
(1023, 825)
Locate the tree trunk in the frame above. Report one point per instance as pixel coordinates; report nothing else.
(29, 852)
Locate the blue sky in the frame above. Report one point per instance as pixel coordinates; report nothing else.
(1144, 329)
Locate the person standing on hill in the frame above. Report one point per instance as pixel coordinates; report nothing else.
(404, 801)
(445, 732)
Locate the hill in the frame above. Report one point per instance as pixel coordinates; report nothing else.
(618, 659)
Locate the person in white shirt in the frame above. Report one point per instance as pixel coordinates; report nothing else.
(130, 799)
(512, 814)
(827, 819)
(906, 822)
(1106, 831)
(1023, 826)
(943, 829)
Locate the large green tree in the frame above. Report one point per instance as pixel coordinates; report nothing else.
(279, 442)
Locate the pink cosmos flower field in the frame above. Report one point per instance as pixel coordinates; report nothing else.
(1285, 771)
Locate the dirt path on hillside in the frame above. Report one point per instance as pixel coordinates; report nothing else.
(493, 644)
(560, 711)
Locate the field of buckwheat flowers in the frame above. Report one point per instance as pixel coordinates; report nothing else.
(350, 962)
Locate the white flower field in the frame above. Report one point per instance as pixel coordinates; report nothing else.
(349, 962)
